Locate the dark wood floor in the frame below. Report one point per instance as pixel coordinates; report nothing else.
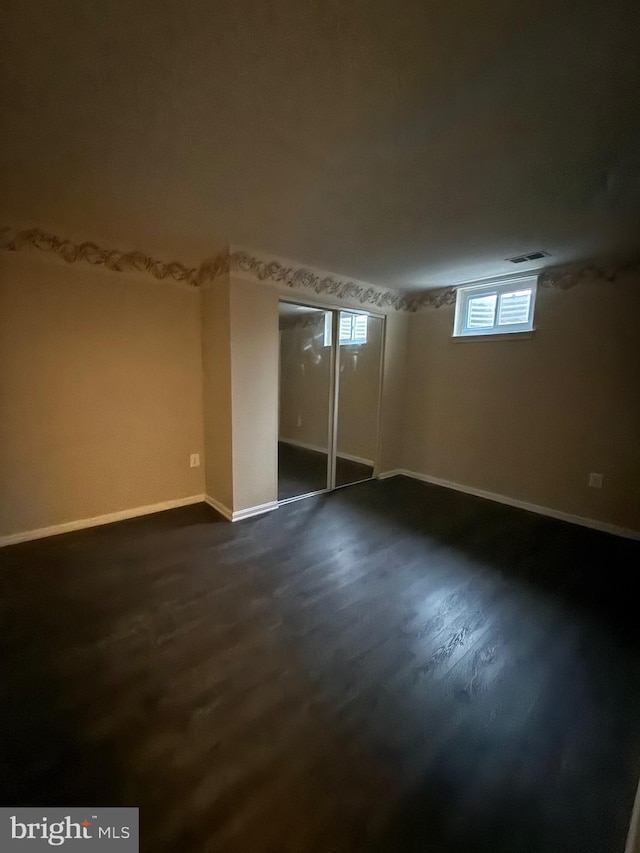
(391, 667)
(302, 471)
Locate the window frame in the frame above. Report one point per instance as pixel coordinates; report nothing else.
(467, 291)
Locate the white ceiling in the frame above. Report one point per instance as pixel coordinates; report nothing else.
(409, 144)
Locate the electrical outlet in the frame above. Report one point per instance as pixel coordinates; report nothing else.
(194, 460)
(299, 422)
(595, 480)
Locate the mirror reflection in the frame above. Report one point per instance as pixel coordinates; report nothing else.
(305, 393)
(358, 396)
(329, 398)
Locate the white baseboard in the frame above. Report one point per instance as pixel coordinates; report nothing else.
(224, 511)
(594, 524)
(121, 515)
(396, 472)
(303, 444)
(317, 449)
(109, 518)
(240, 514)
(359, 459)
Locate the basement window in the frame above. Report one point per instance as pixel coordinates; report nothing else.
(352, 328)
(495, 309)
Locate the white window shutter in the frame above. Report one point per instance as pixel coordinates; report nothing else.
(514, 307)
(360, 329)
(346, 321)
(481, 311)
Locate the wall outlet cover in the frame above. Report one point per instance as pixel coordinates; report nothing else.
(194, 460)
(595, 481)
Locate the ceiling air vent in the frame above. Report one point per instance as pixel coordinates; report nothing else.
(533, 256)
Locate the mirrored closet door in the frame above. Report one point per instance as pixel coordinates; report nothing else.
(357, 409)
(306, 368)
(330, 368)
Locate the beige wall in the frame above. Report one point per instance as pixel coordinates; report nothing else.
(393, 391)
(216, 368)
(103, 375)
(108, 382)
(100, 392)
(529, 419)
(254, 390)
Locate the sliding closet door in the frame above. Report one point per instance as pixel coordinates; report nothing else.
(358, 398)
(306, 382)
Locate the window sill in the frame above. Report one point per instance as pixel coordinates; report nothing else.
(504, 336)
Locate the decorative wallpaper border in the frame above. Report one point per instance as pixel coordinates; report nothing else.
(303, 278)
(114, 259)
(435, 298)
(271, 271)
(284, 274)
(566, 277)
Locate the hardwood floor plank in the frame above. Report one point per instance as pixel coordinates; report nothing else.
(393, 666)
